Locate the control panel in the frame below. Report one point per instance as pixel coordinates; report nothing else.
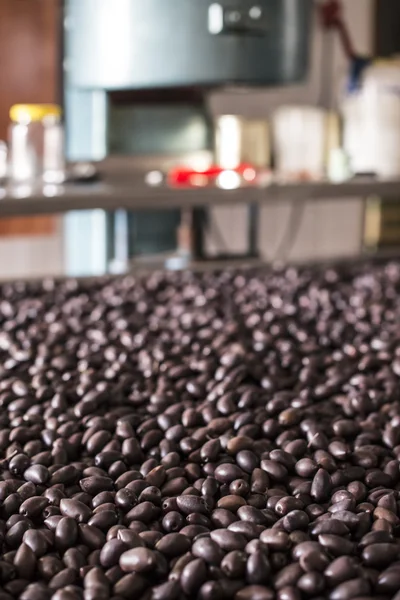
(249, 20)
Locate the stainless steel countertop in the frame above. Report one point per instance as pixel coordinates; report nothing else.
(132, 193)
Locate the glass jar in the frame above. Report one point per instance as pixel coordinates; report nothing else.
(36, 144)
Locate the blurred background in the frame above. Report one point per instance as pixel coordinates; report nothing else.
(199, 95)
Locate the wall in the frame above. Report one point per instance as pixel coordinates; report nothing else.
(331, 229)
(30, 255)
(29, 42)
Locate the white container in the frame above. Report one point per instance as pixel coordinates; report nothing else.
(371, 122)
(299, 138)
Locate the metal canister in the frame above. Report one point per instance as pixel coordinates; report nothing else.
(240, 140)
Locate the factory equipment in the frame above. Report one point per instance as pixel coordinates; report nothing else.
(137, 77)
(129, 44)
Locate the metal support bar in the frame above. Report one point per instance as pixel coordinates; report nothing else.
(253, 230)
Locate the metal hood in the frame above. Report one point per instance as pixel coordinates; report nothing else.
(138, 44)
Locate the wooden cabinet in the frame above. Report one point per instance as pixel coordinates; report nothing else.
(387, 28)
(30, 72)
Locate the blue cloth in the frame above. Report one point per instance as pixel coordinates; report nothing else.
(357, 67)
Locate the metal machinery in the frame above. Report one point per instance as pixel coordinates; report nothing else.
(137, 74)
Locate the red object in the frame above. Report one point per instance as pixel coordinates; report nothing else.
(182, 176)
(331, 14)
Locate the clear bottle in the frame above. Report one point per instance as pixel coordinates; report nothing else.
(3, 161)
(36, 144)
(53, 150)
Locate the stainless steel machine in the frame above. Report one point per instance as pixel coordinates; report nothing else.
(137, 75)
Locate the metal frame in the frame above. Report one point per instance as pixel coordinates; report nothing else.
(132, 193)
